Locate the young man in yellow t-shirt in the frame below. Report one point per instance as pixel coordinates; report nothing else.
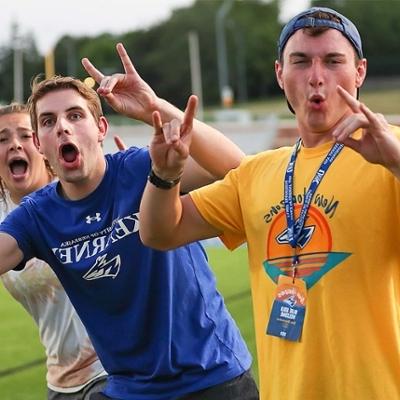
(321, 221)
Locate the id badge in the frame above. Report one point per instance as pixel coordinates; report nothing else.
(287, 314)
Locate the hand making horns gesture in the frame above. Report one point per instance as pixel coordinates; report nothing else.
(377, 144)
(169, 148)
(127, 93)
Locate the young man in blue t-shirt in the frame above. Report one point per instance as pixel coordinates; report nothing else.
(156, 320)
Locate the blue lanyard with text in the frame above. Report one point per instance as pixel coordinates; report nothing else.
(295, 227)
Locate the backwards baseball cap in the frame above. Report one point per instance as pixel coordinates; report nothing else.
(305, 20)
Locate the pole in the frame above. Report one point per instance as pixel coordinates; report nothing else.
(49, 68)
(195, 70)
(18, 71)
(224, 88)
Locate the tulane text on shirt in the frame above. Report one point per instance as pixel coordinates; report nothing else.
(87, 246)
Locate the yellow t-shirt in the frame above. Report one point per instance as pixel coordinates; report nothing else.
(350, 345)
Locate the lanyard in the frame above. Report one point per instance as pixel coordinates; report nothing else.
(295, 227)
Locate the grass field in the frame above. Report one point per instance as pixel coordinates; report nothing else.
(22, 368)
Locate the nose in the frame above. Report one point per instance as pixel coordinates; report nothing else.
(15, 143)
(316, 77)
(62, 127)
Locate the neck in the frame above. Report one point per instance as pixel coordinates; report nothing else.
(312, 138)
(316, 137)
(315, 140)
(16, 197)
(80, 188)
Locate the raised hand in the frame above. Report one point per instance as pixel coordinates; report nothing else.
(169, 148)
(377, 144)
(127, 93)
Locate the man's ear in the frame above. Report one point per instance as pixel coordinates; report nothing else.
(278, 73)
(37, 142)
(103, 128)
(361, 72)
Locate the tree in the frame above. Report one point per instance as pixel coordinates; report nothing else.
(32, 65)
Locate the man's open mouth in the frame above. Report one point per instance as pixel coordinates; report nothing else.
(69, 153)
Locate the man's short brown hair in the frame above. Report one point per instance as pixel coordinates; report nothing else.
(41, 87)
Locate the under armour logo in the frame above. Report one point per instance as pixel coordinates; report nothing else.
(90, 219)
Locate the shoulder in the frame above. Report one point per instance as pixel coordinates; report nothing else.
(131, 165)
(40, 196)
(265, 158)
(132, 154)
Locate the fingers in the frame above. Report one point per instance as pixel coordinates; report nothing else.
(377, 121)
(172, 131)
(126, 61)
(119, 143)
(190, 113)
(352, 144)
(172, 137)
(168, 132)
(157, 124)
(351, 101)
(108, 83)
(92, 70)
(348, 126)
(175, 132)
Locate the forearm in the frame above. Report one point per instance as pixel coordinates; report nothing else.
(168, 220)
(160, 213)
(10, 253)
(213, 150)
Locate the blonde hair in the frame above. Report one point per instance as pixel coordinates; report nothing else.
(14, 108)
(41, 87)
(17, 108)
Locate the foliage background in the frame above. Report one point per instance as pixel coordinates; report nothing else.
(161, 53)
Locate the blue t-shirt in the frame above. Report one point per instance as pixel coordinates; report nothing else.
(156, 320)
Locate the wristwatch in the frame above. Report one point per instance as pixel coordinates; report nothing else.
(162, 183)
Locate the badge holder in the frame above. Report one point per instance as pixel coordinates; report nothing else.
(288, 310)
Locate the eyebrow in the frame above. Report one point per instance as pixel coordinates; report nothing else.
(73, 108)
(328, 55)
(19, 129)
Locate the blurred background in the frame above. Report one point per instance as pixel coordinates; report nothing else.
(221, 50)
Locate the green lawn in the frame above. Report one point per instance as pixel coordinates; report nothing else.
(20, 348)
(233, 282)
(22, 368)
